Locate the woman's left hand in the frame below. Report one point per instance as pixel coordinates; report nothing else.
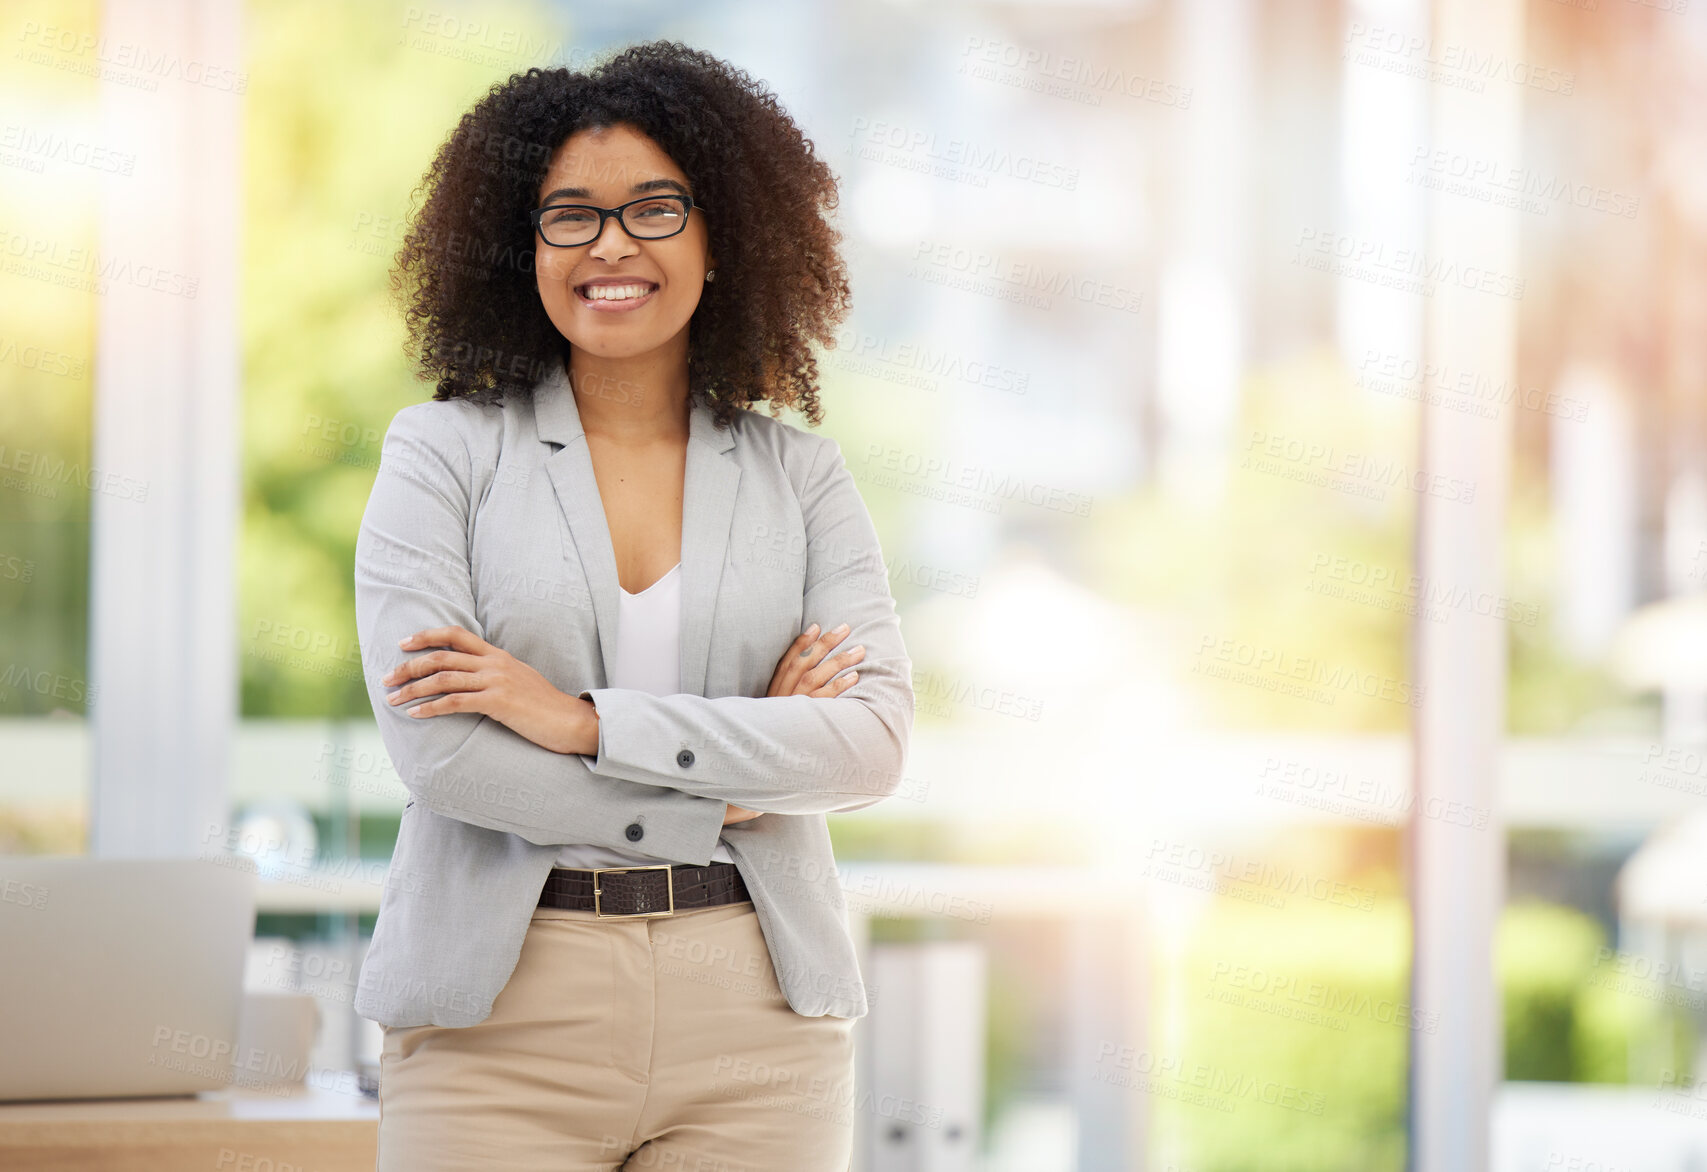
(475, 676)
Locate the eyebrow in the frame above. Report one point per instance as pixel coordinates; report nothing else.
(638, 189)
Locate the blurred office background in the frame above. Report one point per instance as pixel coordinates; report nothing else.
(1285, 425)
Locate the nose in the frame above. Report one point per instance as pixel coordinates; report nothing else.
(614, 242)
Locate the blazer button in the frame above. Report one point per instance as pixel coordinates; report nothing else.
(684, 758)
(634, 832)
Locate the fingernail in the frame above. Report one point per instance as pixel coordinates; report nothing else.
(860, 648)
(841, 630)
(812, 630)
(404, 642)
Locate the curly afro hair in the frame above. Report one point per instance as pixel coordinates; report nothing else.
(464, 273)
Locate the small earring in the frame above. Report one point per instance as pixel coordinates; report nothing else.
(710, 274)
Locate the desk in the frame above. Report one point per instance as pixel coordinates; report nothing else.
(314, 1129)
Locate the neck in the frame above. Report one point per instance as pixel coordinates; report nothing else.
(636, 401)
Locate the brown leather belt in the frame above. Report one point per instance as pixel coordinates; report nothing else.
(660, 889)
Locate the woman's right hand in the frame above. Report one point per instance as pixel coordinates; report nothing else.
(803, 671)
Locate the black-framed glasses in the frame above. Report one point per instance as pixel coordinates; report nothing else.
(651, 217)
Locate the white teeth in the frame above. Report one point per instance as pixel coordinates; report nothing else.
(614, 292)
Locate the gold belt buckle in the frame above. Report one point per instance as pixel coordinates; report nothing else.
(670, 885)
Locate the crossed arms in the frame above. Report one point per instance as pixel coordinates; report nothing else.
(673, 762)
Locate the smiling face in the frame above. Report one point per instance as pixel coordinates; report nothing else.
(607, 167)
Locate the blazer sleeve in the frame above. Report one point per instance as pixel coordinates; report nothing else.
(412, 572)
(788, 754)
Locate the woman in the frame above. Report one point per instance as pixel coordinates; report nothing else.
(645, 642)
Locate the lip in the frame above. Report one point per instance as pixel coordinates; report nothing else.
(614, 306)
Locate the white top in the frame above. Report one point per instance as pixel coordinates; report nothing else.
(648, 659)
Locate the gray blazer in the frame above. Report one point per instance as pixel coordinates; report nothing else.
(490, 518)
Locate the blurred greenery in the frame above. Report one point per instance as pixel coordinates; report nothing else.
(328, 171)
(1257, 565)
(1316, 1000)
(47, 358)
(1551, 692)
(1570, 1016)
(1546, 954)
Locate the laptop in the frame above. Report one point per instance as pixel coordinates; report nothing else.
(121, 977)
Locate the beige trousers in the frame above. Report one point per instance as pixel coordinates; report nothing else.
(627, 1043)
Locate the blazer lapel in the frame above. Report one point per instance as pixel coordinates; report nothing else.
(708, 508)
